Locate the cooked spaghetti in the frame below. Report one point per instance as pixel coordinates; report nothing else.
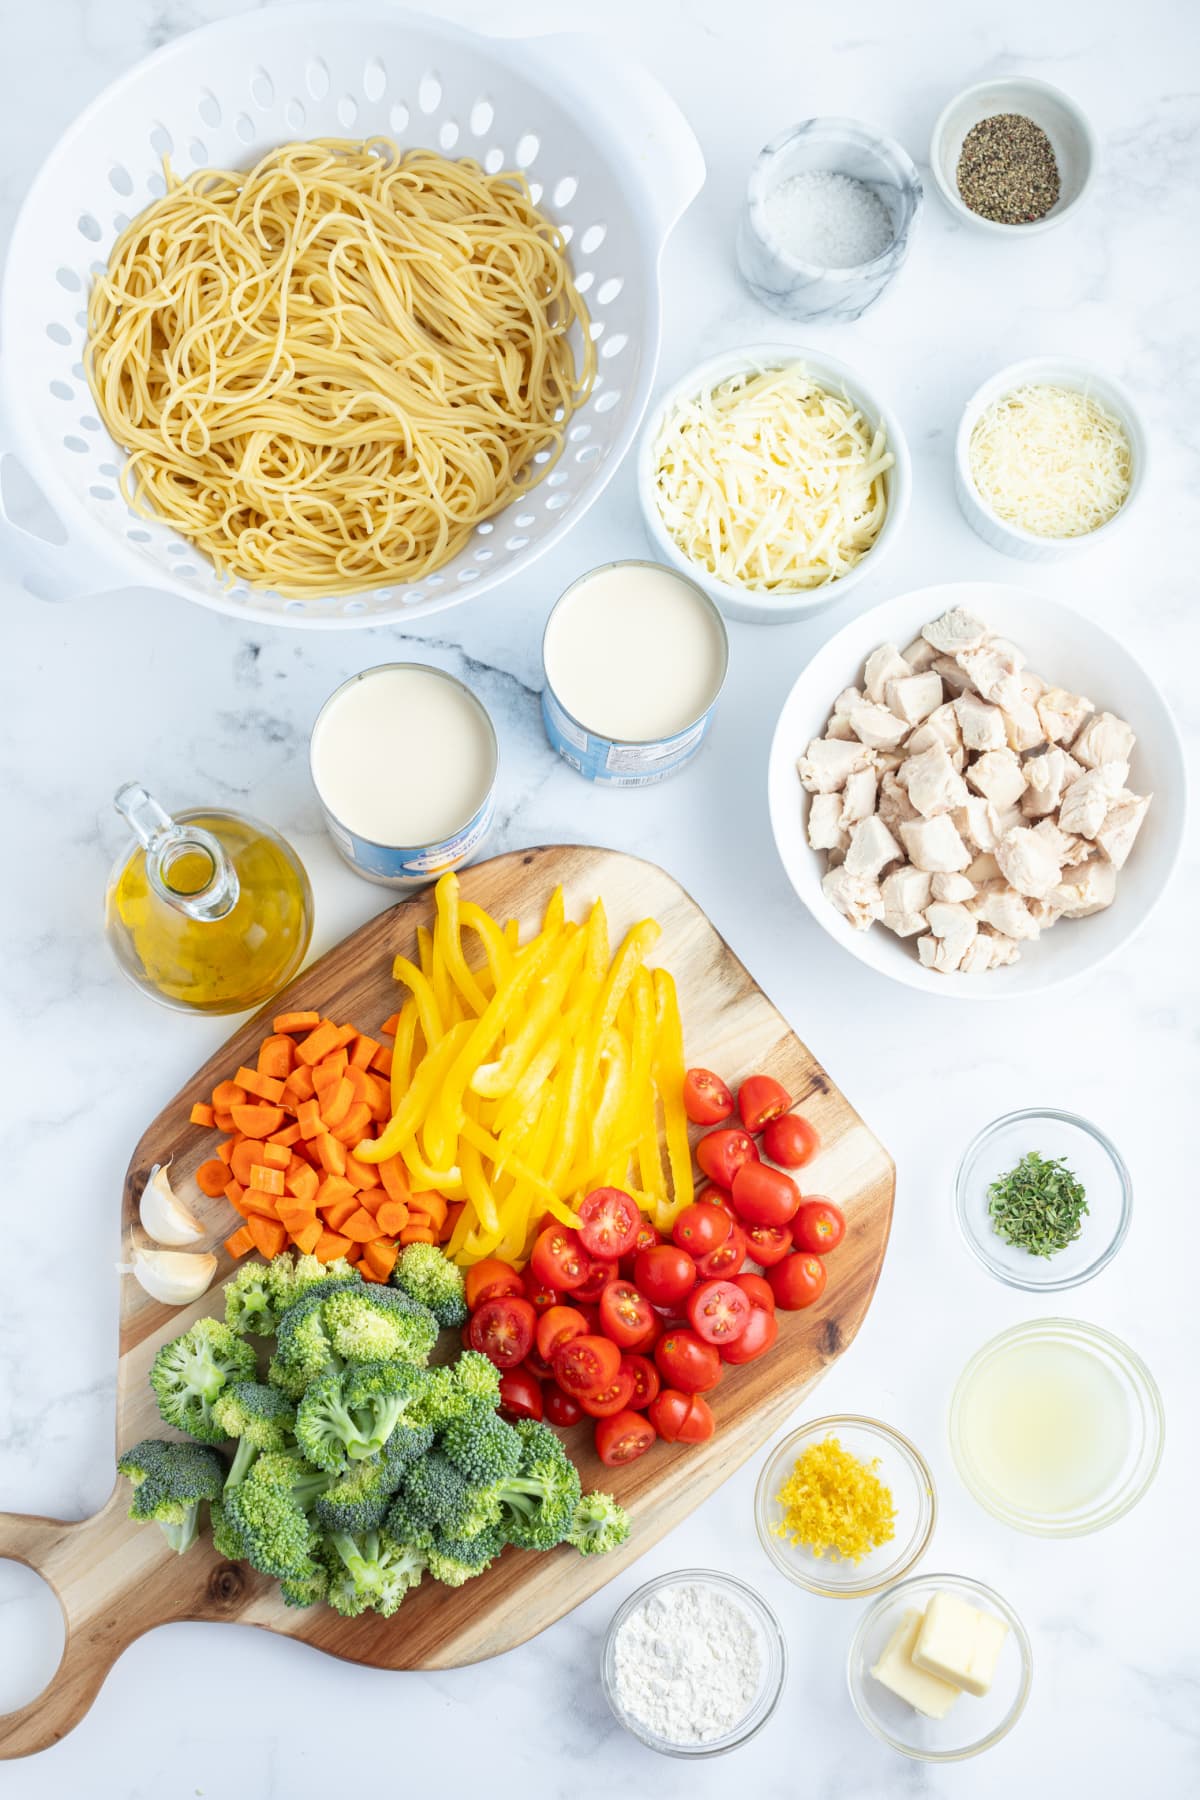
(327, 370)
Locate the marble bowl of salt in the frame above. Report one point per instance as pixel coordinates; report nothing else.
(829, 216)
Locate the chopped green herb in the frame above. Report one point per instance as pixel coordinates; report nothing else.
(1038, 1206)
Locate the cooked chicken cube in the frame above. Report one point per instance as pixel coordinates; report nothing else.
(1032, 686)
(858, 796)
(1087, 799)
(871, 847)
(1062, 714)
(978, 822)
(825, 828)
(934, 784)
(984, 868)
(913, 697)
(981, 723)
(1022, 724)
(826, 764)
(1047, 776)
(941, 727)
(1027, 862)
(887, 761)
(1047, 911)
(993, 670)
(952, 929)
(953, 887)
(839, 727)
(856, 897)
(953, 677)
(1104, 739)
(883, 665)
(956, 630)
(1121, 825)
(1061, 845)
(1087, 889)
(988, 950)
(934, 844)
(905, 897)
(919, 655)
(894, 804)
(999, 777)
(839, 720)
(1006, 911)
(876, 727)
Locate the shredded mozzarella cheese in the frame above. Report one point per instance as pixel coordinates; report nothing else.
(1051, 460)
(771, 482)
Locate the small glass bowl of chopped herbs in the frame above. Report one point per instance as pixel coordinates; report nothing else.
(845, 1506)
(1043, 1199)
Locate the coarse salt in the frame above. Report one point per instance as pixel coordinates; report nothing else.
(831, 221)
(688, 1664)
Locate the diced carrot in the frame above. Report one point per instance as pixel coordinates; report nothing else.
(364, 1268)
(338, 1211)
(336, 1103)
(276, 1056)
(360, 1226)
(358, 1081)
(320, 1041)
(394, 1176)
(390, 1024)
(227, 1094)
(308, 1237)
(308, 1119)
(380, 1258)
(364, 1049)
(378, 1099)
(226, 1148)
(268, 1234)
(363, 1175)
(273, 1154)
(417, 1234)
(265, 1181)
(257, 1121)
(299, 1085)
(329, 1246)
(346, 1035)
(223, 1120)
(211, 1177)
(371, 1198)
(353, 1127)
(302, 1182)
(329, 1071)
(245, 1156)
(382, 1061)
(201, 1114)
(391, 1218)
(330, 1154)
(234, 1193)
(333, 1189)
(295, 1218)
(432, 1204)
(240, 1242)
(295, 1021)
(264, 1087)
(354, 1255)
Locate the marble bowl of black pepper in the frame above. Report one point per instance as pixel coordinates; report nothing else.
(1013, 157)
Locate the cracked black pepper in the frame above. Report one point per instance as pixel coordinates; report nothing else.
(1007, 171)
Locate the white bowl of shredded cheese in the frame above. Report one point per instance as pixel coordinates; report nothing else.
(1049, 459)
(776, 478)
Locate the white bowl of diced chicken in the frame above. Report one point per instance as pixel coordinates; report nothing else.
(977, 791)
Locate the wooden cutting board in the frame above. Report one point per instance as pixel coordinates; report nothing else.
(117, 1579)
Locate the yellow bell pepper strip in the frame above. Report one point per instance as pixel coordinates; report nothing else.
(528, 1097)
(495, 1079)
(505, 1161)
(478, 1190)
(450, 928)
(669, 1072)
(512, 934)
(571, 1125)
(402, 1051)
(439, 975)
(627, 1132)
(425, 1175)
(412, 1109)
(425, 951)
(428, 1011)
(495, 946)
(524, 1197)
(555, 912)
(606, 1114)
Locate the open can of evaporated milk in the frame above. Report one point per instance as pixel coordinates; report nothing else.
(634, 658)
(403, 758)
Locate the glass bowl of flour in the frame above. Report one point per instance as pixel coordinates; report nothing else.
(694, 1663)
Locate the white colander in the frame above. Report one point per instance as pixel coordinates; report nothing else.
(607, 154)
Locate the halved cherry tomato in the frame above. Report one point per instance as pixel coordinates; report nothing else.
(648, 1235)
(726, 1259)
(712, 1195)
(596, 1277)
(654, 1331)
(797, 1281)
(608, 1222)
(623, 1438)
(521, 1395)
(559, 1258)
(489, 1279)
(706, 1099)
(791, 1140)
(681, 1418)
(819, 1226)
(625, 1314)
(557, 1325)
(763, 1195)
(537, 1365)
(721, 1153)
(719, 1312)
(586, 1365)
(755, 1341)
(700, 1228)
(538, 1293)
(664, 1273)
(612, 1399)
(503, 1330)
(686, 1361)
(760, 1099)
(561, 1408)
(646, 1380)
(768, 1244)
(757, 1290)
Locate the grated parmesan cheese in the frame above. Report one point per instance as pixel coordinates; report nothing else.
(771, 482)
(1051, 460)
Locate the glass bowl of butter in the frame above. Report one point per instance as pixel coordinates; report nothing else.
(940, 1668)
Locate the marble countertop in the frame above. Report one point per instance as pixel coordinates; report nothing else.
(203, 709)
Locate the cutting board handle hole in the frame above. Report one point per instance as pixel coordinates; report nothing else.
(32, 1635)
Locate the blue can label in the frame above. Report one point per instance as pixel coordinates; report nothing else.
(611, 764)
(412, 867)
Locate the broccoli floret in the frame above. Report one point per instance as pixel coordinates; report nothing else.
(188, 1374)
(170, 1481)
(411, 1439)
(258, 1416)
(599, 1525)
(375, 1324)
(401, 1523)
(369, 1570)
(538, 1504)
(466, 1387)
(426, 1274)
(268, 1514)
(306, 1590)
(455, 1560)
(288, 1278)
(303, 1346)
(249, 1301)
(352, 1414)
(439, 1498)
(359, 1499)
(227, 1540)
(482, 1447)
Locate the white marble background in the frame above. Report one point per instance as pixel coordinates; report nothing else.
(203, 709)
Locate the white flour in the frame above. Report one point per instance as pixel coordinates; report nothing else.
(688, 1664)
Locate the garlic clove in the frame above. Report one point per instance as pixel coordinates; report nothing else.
(175, 1277)
(163, 1215)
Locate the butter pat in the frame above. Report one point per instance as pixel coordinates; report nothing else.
(959, 1644)
(927, 1693)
